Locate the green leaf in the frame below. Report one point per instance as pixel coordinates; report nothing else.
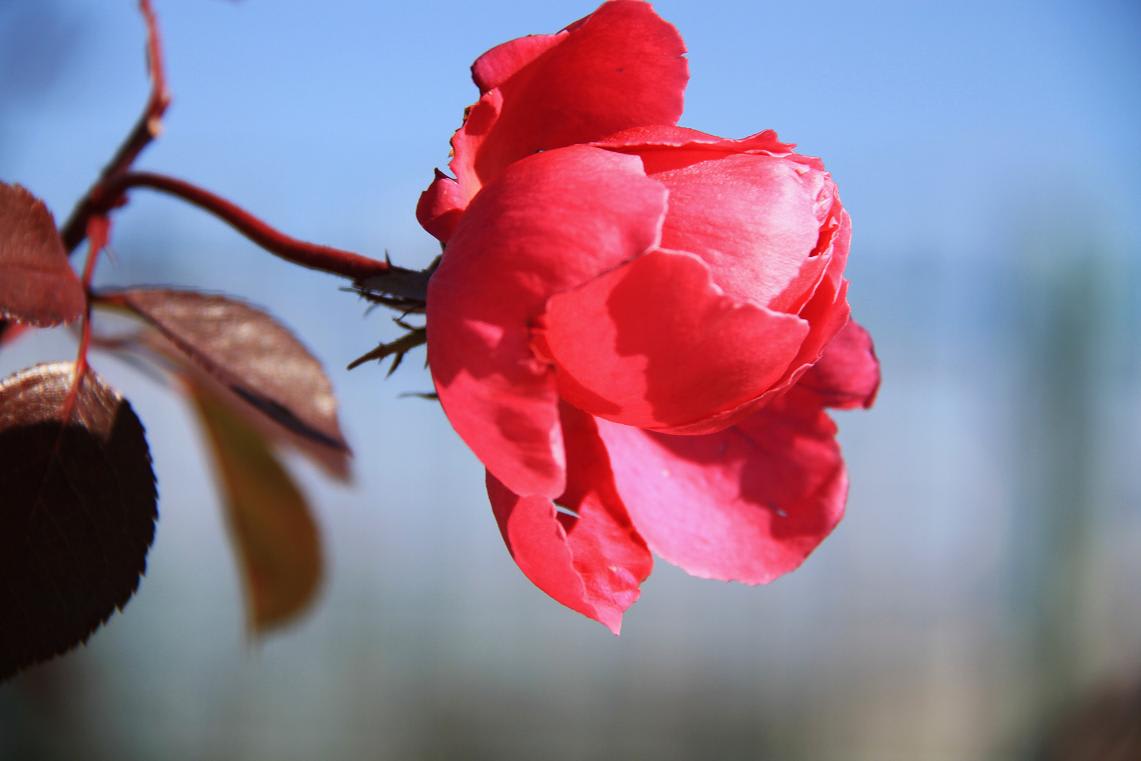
(274, 534)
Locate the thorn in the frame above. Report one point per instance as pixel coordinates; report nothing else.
(407, 326)
(398, 348)
(431, 396)
(396, 360)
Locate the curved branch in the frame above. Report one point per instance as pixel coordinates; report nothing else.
(146, 129)
(299, 252)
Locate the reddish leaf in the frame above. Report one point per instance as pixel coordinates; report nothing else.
(250, 353)
(270, 523)
(77, 515)
(37, 285)
(336, 463)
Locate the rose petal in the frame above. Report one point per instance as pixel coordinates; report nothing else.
(827, 311)
(751, 208)
(828, 258)
(663, 346)
(622, 66)
(440, 206)
(495, 67)
(835, 243)
(647, 140)
(848, 373)
(751, 218)
(746, 504)
(593, 561)
(550, 223)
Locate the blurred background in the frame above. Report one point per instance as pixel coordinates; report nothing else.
(979, 601)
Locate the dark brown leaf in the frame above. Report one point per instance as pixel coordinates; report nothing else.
(269, 518)
(250, 353)
(37, 285)
(77, 512)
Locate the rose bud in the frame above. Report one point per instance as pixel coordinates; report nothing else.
(639, 323)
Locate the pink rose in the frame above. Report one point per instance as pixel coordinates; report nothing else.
(638, 322)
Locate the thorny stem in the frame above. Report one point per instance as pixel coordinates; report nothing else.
(380, 281)
(311, 255)
(401, 346)
(107, 191)
(146, 129)
(98, 231)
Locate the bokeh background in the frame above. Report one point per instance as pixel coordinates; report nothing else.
(981, 598)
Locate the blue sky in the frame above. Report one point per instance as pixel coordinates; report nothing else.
(916, 107)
